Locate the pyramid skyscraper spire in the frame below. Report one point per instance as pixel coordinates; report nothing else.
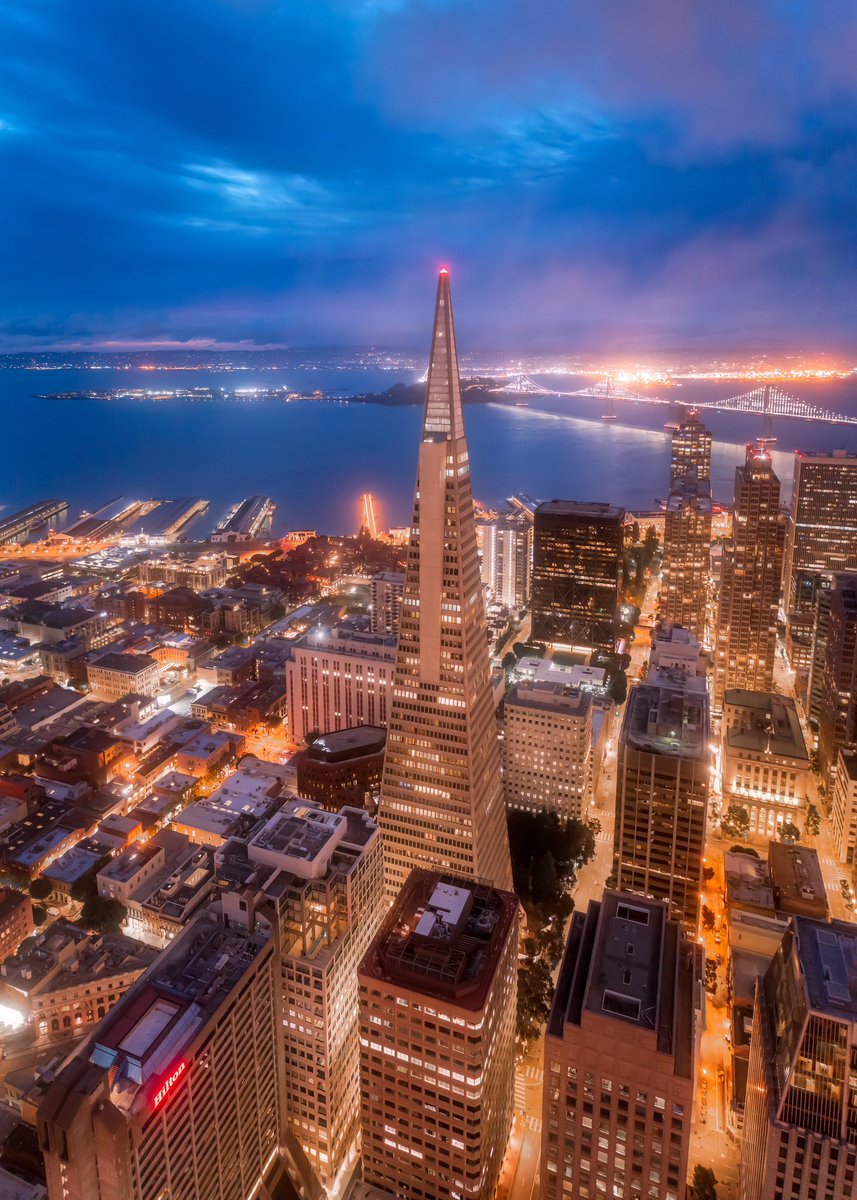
(441, 795)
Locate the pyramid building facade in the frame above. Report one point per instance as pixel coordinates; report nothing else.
(441, 802)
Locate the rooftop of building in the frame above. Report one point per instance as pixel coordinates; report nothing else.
(76, 862)
(626, 961)
(689, 491)
(763, 722)
(65, 954)
(307, 840)
(443, 937)
(827, 952)
(676, 635)
(149, 1031)
(345, 639)
(339, 745)
(581, 508)
(796, 876)
(544, 696)
(668, 714)
(131, 664)
(748, 881)
(125, 866)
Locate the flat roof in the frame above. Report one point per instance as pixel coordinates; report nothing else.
(796, 875)
(543, 696)
(130, 664)
(827, 952)
(581, 508)
(625, 960)
(443, 937)
(340, 744)
(769, 723)
(668, 714)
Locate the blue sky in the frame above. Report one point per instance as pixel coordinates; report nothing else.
(622, 175)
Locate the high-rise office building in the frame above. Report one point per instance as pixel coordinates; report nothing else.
(437, 1040)
(620, 1055)
(820, 626)
(329, 876)
(662, 783)
(691, 449)
(386, 590)
(837, 722)
(441, 800)
(179, 1091)
(822, 537)
(577, 574)
(547, 748)
(687, 553)
(750, 586)
(823, 520)
(800, 1125)
(506, 543)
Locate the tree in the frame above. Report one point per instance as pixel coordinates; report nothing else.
(618, 688)
(704, 1184)
(813, 821)
(545, 885)
(788, 832)
(710, 974)
(41, 888)
(39, 914)
(708, 874)
(744, 850)
(102, 914)
(510, 661)
(707, 917)
(535, 991)
(735, 822)
(312, 736)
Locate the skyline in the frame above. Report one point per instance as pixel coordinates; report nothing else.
(258, 174)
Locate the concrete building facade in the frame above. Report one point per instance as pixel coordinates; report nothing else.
(621, 1054)
(437, 1040)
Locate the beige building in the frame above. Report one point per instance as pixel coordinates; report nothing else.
(765, 759)
(677, 648)
(621, 1055)
(180, 1090)
(338, 678)
(65, 977)
(386, 591)
(437, 1040)
(547, 749)
(112, 676)
(330, 896)
(843, 811)
(441, 803)
(506, 545)
(687, 554)
(662, 782)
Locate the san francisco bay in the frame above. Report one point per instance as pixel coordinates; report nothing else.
(315, 458)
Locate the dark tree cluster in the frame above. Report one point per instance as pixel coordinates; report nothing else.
(546, 853)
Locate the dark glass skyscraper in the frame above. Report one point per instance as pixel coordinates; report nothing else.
(577, 572)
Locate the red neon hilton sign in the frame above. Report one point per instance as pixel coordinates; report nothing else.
(169, 1083)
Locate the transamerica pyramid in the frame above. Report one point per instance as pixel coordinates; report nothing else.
(441, 794)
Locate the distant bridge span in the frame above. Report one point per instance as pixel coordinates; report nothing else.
(768, 400)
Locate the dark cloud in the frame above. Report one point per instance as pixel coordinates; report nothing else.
(642, 175)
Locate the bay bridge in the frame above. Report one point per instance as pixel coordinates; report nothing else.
(768, 400)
